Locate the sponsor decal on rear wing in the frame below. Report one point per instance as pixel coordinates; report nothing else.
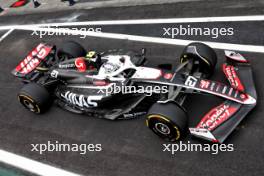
(33, 59)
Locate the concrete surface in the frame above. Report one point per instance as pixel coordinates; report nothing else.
(57, 5)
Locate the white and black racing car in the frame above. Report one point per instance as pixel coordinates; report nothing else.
(116, 85)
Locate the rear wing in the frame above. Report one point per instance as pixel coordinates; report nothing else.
(219, 122)
(36, 58)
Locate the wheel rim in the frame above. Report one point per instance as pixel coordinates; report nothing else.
(29, 103)
(162, 128)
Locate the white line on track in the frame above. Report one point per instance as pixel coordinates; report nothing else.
(162, 21)
(6, 34)
(46, 170)
(151, 21)
(31, 165)
(228, 46)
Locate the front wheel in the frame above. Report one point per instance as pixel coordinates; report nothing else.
(203, 56)
(168, 121)
(34, 97)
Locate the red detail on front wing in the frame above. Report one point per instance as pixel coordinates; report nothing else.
(232, 77)
(35, 57)
(217, 116)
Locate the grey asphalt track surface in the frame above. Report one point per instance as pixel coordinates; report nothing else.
(181, 9)
(129, 148)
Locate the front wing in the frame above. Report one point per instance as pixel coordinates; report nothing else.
(219, 122)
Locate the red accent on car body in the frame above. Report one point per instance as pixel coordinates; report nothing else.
(19, 3)
(33, 59)
(168, 75)
(232, 77)
(217, 116)
(236, 57)
(215, 141)
(100, 83)
(91, 67)
(204, 84)
(80, 64)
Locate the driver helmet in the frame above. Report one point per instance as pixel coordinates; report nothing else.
(110, 67)
(93, 56)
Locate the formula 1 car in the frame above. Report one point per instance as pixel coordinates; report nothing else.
(96, 84)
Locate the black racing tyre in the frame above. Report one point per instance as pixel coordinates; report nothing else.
(203, 55)
(71, 49)
(168, 120)
(35, 98)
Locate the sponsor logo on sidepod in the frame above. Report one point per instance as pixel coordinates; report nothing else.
(81, 100)
(80, 64)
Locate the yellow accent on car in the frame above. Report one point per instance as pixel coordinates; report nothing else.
(90, 54)
(42, 69)
(158, 116)
(147, 123)
(204, 59)
(178, 133)
(181, 60)
(167, 120)
(32, 101)
(27, 97)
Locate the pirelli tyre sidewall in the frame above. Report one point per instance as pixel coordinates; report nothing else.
(168, 121)
(34, 97)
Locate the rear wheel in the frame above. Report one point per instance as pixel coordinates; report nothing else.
(204, 57)
(34, 97)
(71, 50)
(169, 121)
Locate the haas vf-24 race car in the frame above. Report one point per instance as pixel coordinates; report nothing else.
(79, 81)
